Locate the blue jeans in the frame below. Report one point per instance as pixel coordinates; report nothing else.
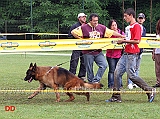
(112, 62)
(139, 57)
(127, 63)
(100, 61)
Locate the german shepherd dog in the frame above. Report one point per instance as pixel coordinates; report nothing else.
(55, 77)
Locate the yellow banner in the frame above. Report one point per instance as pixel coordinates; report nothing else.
(71, 44)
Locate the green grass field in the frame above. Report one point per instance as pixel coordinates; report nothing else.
(43, 106)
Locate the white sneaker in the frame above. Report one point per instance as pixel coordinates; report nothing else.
(135, 86)
(130, 86)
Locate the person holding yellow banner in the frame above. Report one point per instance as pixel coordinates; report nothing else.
(127, 62)
(140, 20)
(93, 30)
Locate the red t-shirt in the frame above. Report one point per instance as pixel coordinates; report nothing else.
(135, 34)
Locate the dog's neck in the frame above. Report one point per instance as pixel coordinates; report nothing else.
(41, 71)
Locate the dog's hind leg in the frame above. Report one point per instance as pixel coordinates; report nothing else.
(87, 94)
(68, 86)
(71, 97)
(41, 87)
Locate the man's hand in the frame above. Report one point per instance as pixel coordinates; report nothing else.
(120, 41)
(153, 56)
(123, 36)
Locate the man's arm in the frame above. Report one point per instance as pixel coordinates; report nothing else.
(153, 54)
(77, 32)
(72, 27)
(75, 35)
(118, 34)
(109, 33)
(128, 41)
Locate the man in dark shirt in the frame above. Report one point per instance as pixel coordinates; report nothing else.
(76, 54)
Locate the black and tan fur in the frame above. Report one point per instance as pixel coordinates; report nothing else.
(55, 77)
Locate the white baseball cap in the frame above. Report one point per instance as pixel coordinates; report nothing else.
(81, 15)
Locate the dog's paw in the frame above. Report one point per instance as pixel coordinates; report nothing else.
(57, 100)
(30, 97)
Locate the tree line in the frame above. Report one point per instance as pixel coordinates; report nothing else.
(56, 16)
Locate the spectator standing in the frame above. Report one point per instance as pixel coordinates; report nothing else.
(93, 30)
(113, 55)
(77, 54)
(156, 56)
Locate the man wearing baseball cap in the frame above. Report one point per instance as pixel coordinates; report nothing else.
(141, 15)
(81, 15)
(76, 54)
(141, 19)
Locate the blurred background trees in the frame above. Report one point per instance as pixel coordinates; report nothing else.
(56, 16)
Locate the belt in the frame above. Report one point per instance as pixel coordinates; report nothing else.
(130, 53)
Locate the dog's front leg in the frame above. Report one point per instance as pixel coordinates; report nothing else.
(41, 87)
(55, 87)
(57, 97)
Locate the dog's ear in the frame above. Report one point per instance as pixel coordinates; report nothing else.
(34, 67)
(31, 65)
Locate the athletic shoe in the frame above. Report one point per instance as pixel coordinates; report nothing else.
(130, 86)
(152, 95)
(112, 99)
(157, 85)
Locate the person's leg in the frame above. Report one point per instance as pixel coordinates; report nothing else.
(112, 62)
(88, 61)
(116, 61)
(119, 71)
(74, 61)
(82, 70)
(139, 57)
(130, 83)
(131, 71)
(112, 66)
(157, 70)
(102, 64)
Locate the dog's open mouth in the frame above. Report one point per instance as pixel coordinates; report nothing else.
(30, 80)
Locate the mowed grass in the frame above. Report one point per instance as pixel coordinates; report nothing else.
(43, 106)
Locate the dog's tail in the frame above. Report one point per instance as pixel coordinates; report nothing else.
(93, 85)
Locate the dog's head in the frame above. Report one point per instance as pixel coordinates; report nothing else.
(30, 74)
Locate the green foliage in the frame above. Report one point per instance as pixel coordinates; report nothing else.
(58, 15)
